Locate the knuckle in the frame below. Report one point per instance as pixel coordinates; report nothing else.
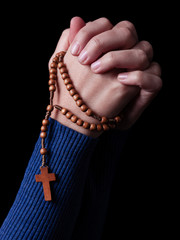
(105, 21)
(147, 48)
(83, 33)
(110, 57)
(128, 24)
(138, 77)
(88, 24)
(96, 42)
(126, 32)
(146, 45)
(141, 54)
(142, 58)
(157, 68)
(129, 38)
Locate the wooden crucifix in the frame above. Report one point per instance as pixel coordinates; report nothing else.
(46, 178)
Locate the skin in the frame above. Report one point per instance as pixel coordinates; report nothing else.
(111, 69)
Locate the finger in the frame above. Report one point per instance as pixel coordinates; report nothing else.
(63, 44)
(138, 57)
(75, 25)
(150, 85)
(129, 25)
(87, 32)
(131, 59)
(146, 47)
(148, 82)
(154, 69)
(116, 38)
(134, 110)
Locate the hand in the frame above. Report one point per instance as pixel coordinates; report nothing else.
(106, 47)
(104, 93)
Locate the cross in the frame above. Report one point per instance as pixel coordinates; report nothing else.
(46, 178)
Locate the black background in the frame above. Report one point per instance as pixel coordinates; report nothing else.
(144, 194)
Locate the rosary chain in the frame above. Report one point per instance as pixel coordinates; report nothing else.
(104, 123)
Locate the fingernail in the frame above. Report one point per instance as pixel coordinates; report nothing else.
(83, 57)
(96, 65)
(122, 76)
(75, 48)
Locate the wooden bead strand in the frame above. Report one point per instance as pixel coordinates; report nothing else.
(104, 123)
(69, 115)
(50, 107)
(91, 126)
(79, 102)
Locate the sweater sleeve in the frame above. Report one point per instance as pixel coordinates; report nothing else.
(30, 217)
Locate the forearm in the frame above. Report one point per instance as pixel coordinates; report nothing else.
(30, 216)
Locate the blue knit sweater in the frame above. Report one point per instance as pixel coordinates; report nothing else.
(84, 169)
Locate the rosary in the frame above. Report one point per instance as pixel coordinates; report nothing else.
(103, 125)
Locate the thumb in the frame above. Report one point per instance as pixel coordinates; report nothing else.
(63, 44)
(75, 25)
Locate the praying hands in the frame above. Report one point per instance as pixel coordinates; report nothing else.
(111, 69)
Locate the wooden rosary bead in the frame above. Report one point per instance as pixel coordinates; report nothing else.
(64, 111)
(69, 87)
(43, 128)
(76, 97)
(105, 127)
(53, 71)
(45, 122)
(53, 65)
(67, 81)
(63, 70)
(86, 125)
(52, 88)
(50, 108)
(79, 102)
(72, 92)
(74, 119)
(55, 59)
(93, 127)
(65, 75)
(118, 119)
(79, 122)
(84, 108)
(52, 82)
(53, 76)
(61, 64)
(104, 120)
(99, 127)
(60, 54)
(43, 151)
(69, 115)
(89, 112)
(43, 134)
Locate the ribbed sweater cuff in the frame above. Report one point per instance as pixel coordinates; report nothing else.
(68, 157)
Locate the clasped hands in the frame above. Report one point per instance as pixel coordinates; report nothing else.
(111, 69)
